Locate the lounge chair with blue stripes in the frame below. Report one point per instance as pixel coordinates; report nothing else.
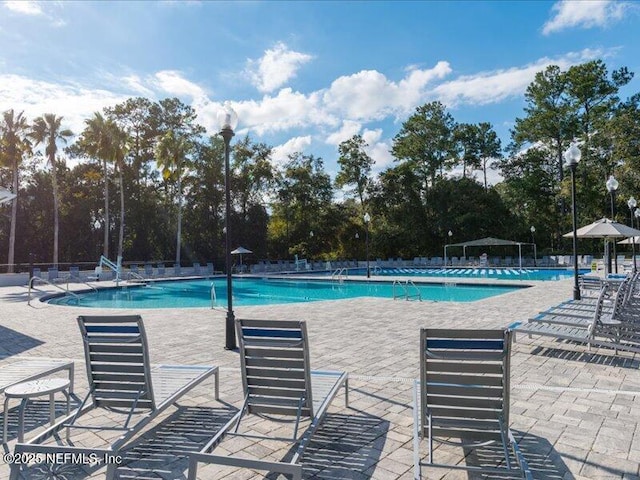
(462, 398)
(602, 329)
(122, 381)
(278, 385)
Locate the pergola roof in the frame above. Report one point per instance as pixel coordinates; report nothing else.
(485, 242)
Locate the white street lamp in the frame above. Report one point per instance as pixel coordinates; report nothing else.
(533, 240)
(612, 185)
(227, 122)
(572, 157)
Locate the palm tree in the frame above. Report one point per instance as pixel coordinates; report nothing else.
(171, 152)
(95, 141)
(13, 146)
(119, 146)
(47, 130)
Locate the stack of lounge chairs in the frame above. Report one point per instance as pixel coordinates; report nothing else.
(611, 320)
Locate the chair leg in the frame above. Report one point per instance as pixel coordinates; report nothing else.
(416, 435)
(23, 407)
(52, 409)
(6, 420)
(346, 392)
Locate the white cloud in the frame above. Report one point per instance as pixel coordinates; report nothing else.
(276, 67)
(280, 154)
(586, 14)
(381, 155)
(24, 7)
(498, 85)
(286, 110)
(349, 129)
(174, 83)
(369, 95)
(36, 97)
(135, 83)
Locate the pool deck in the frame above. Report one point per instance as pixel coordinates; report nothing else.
(576, 412)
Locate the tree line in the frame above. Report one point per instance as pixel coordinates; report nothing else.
(147, 183)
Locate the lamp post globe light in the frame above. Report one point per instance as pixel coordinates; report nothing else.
(227, 122)
(572, 157)
(367, 219)
(632, 203)
(533, 240)
(612, 186)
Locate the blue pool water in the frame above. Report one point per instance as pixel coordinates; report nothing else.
(471, 272)
(254, 291)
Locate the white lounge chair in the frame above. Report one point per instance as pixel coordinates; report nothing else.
(278, 383)
(121, 380)
(462, 397)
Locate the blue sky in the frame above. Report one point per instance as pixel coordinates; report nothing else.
(304, 76)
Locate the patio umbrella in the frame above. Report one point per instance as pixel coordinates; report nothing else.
(240, 251)
(629, 241)
(604, 228)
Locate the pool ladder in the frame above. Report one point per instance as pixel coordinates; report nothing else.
(214, 297)
(40, 279)
(340, 275)
(405, 292)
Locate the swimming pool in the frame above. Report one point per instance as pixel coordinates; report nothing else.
(255, 291)
(469, 272)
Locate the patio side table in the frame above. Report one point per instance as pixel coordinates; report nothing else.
(32, 389)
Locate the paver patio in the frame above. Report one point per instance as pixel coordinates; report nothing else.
(576, 412)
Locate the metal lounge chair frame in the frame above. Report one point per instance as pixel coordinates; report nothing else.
(463, 394)
(599, 330)
(122, 380)
(278, 385)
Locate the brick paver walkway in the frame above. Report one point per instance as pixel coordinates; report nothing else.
(576, 412)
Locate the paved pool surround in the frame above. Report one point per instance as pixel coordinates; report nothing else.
(576, 412)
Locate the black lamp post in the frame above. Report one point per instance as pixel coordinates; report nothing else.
(367, 219)
(612, 186)
(637, 215)
(227, 121)
(572, 157)
(533, 240)
(632, 211)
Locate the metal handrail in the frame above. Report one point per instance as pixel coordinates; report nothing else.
(79, 280)
(399, 284)
(341, 274)
(135, 276)
(31, 280)
(405, 289)
(417, 295)
(214, 297)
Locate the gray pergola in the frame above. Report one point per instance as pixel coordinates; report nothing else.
(490, 242)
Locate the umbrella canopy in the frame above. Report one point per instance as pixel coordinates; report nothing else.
(604, 228)
(629, 241)
(240, 251)
(485, 242)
